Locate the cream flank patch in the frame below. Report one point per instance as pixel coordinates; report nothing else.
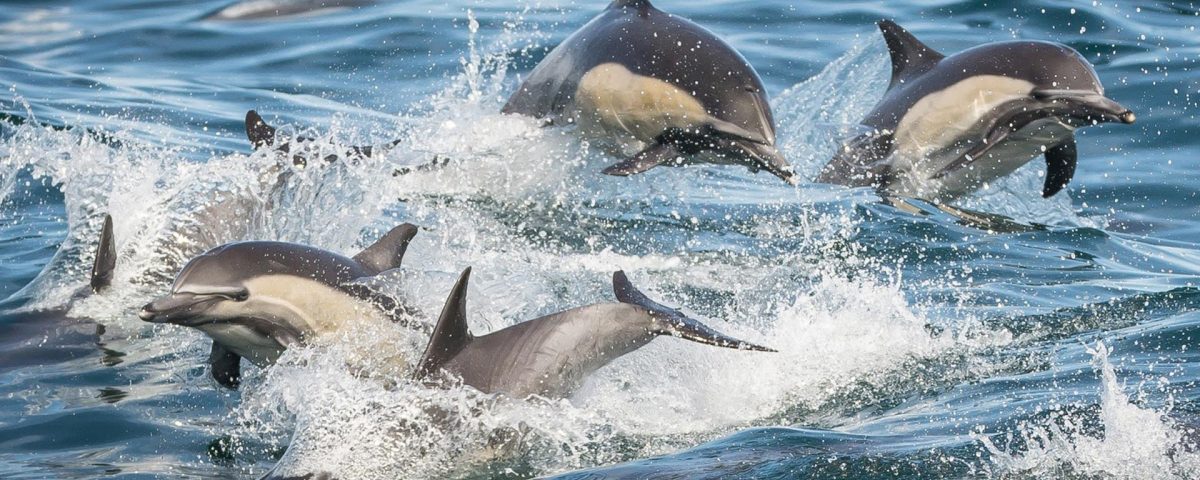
(619, 100)
(321, 307)
(947, 116)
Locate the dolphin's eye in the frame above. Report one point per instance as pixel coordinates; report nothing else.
(234, 294)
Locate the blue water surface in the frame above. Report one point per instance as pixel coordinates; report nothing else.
(1024, 338)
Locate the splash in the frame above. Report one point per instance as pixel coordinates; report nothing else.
(1133, 442)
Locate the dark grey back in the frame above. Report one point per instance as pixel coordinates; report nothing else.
(1046, 65)
(552, 355)
(238, 262)
(655, 44)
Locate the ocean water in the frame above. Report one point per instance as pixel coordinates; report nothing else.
(1060, 341)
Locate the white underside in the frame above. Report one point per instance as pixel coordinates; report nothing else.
(307, 306)
(1005, 158)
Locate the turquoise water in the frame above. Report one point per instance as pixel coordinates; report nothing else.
(1060, 343)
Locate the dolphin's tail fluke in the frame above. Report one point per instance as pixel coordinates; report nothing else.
(106, 258)
(669, 321)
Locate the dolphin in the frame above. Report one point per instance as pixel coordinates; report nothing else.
(52, 336)
(255, 299)
(263, 135)
(550, 356)
(637, 73)
(949, 125)
(279, 9)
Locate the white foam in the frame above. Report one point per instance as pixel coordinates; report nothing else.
(1135, 442)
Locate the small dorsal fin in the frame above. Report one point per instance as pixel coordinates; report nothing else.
(106, 257)
(451, 333)
(387, 252)
(910, 57)
(641, 5)
(257, 130)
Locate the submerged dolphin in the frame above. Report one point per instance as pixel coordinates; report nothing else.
(255, 299)
(52, 336)
(262, 135)
(550, 356)
(279, 9)
(949, 125)
(635, 72)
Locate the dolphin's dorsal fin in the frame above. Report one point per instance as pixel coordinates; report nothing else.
(387, 252)
(106, 257)
(257, 130)
(641, 5)
(910, 57)
(451, 334)
(669, 321)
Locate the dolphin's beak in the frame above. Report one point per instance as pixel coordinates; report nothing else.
(1107, 109)
(1091, 106)
(762, 156)
(177, 308)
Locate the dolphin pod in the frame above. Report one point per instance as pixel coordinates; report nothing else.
(948, 125)
(611, 77)
(637, 76)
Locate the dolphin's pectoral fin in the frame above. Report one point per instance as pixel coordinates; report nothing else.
(226, 366)
(910, 57)
(387, 252)
(651, 157)
(106, 258)
(669, 321)
(860, 161)
(994, 137)
(1060, 167)
(451, 334)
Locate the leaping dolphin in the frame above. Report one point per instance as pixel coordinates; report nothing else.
(550, 356)
(949, 125)
(639, 73)
(255, 299)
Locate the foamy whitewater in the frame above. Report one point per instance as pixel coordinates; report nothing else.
(1026, 338)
